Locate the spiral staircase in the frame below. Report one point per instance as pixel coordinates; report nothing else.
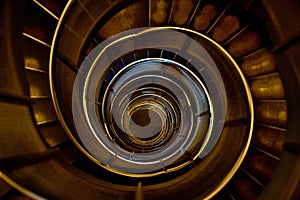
(44, 45)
